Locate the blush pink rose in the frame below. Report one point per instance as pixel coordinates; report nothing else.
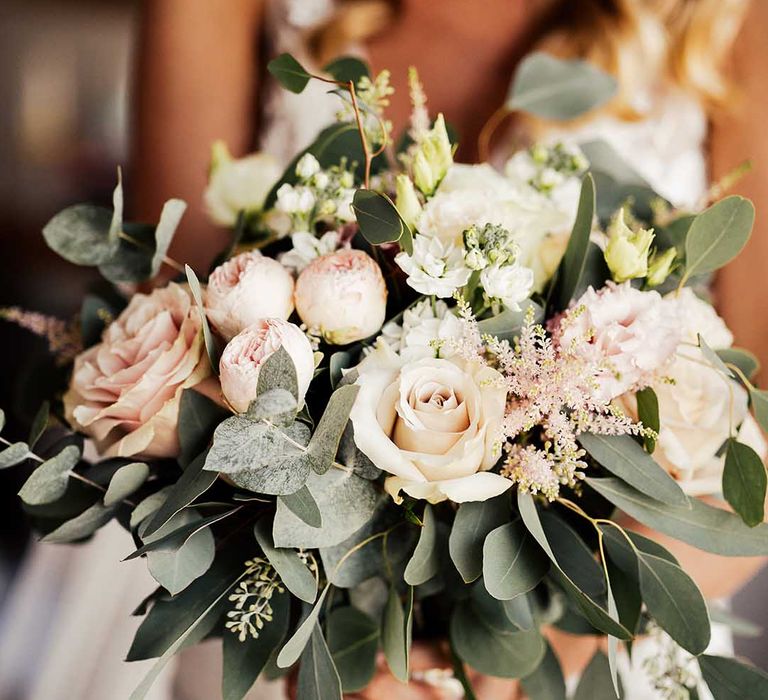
(244, 290)
(245, 354)
(125, 391)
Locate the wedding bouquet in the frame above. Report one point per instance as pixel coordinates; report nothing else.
(415, 399)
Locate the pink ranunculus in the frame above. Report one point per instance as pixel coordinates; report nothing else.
(245, 354)
(125, 391)
(631, 334)
(244, 290)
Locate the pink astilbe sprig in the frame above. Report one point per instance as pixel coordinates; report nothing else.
(552, 397)
(63, 337)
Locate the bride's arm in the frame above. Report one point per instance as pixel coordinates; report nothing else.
(739, 135)
(195, 82)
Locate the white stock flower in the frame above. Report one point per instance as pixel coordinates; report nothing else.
(295, 199)
(511, 284)
(307, 166)
(245, 354)
(435, 267)
(247, 288)
(238, 184)
(307, 247)
(433, 424)
(342, 296)
(424, 331)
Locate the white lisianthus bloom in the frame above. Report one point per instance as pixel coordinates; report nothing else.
(342, 296)
(432, 424)
(246, 353)
(425, 331)
(247, 288)
(238, 184)
(435, 268)
(510, 284)
(307, 247)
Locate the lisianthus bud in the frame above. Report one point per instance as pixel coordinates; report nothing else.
(422, 174)
(245, 289)
(406, 201)
(627, 251)
(660, 265)
(245, 354)
(433, 157)
(236, 185)
(342, 296)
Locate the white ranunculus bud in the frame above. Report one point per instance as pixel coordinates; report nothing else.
(342, 296)
(307, 166)
(236, 185)
(245, 289)
(245, 354)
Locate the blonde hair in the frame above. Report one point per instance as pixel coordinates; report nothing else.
(644, 43)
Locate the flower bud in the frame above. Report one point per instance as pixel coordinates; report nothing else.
(342, 296)
(433, 157)
(422, 173)
(406, 201)
(626, 253)
(245, 354)
(660, 265)
(510, 284)
(307, 166)
(236, 185)
(247, 288)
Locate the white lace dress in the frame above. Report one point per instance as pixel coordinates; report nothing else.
(69, 609)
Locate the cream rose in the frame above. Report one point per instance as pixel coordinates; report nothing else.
(244, 290)
(125, 391)
(432, 424)
(245, 354)
(342, 296)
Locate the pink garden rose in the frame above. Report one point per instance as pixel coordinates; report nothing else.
(244, 290)
(125, 391)
(244, 355)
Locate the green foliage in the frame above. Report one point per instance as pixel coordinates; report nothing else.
(325, 441)
(82, 526)
(626, 459)
(744, 482)
(512, 562)
(353, 638)
(379, 220)
(170, 217)
(717, 235)
(126, 481)
(729, 679)
(293, 648)
(396, 632)
(547, 681)
(596, 682)
(210, 344)
(81, 235)
(198, 417)
(318, 678)
(706, 527)
(425, 561)
(346, 69)
(244, 661)
(303, 505)
(14, 454)
(293, 572)
(573, 264)
(148, 506)
(289, 73)
(553, 88)
(759, 400)
(39, 424)
(278, 372)
(743, 359)
(648, 413)
(507, 324)
(474, 520)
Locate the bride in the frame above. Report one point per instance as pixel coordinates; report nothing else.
(199, 81)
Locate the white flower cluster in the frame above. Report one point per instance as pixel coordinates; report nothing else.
(425, 330)
(546, 168)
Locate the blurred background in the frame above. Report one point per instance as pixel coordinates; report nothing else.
(66, 95)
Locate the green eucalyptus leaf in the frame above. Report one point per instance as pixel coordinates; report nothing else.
(244, 661)
(554, 88)
(210, 344)
(126, 480)
(573, 264)
(675, 602)
(275, 405)
(170, 217)
(396, 632)
(744, 482)
(318, 678)
(743, 359)
(520, 613)
(596, 682)
(132, 259)
(474, 520)
(625, 458)
(14, 454)
(730, 679)
(293, 648)
(347, 69)
(353, 639)
(425, 562)
(507, 324)
(378, 218)
(148, 506)
(759, 400)
(547, 681)
(303, 505)
(706, 527)
(84, 525)
(512, 562)
(289, 73)
(39, 424)
(293, 572)
(717, 235)
(325, 441)
(278, 372)
(648, 413)
(198, 418)
(2, 419)
(81, 234)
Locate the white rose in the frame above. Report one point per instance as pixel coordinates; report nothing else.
(237, 185)
(245, 354)
(342, 296)
(509, 283)
(247, 288)
(697, 317)
(432, 424)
